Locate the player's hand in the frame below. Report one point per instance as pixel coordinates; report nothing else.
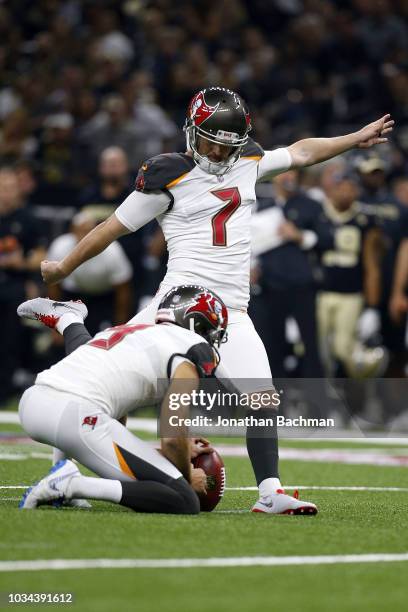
(198, 481)
(51, 272)
(398, 307)
(288, 231)
(369, 324)
(373, 133)
(199, 446)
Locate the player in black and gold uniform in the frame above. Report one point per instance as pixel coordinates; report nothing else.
(351, 283)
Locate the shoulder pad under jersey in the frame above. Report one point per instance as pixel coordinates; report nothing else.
(204, 358)
(163, 171)
(253, 150)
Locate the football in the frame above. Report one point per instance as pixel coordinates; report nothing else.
(213, 466)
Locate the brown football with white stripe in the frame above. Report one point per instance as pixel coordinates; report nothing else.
(213, 466)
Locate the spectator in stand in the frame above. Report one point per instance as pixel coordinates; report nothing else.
(373, 177)
(16, 141)
(157, 133)
(27, 173)
(59, 161)
(103, 282)
(131, 131)
(380, 30)
(21, 250)
(114, 180)
(114, 127)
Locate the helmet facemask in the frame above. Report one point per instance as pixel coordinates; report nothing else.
(217, 168)
(215, 337)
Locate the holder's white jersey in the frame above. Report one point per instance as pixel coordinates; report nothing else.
(124, 367)
(206, 219)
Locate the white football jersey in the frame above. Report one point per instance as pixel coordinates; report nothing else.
(124, 367)
(207, 224)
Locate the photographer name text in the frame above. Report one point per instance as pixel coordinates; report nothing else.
(249, 421)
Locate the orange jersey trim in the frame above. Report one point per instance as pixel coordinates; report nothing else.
(177, 180)
(255, 157)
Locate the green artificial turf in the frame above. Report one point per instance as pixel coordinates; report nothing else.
(348, 523)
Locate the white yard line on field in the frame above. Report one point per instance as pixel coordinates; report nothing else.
(74, 564)
(24, 456)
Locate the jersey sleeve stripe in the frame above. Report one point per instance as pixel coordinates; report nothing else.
(255, 157)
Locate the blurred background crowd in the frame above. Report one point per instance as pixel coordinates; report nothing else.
(90, 89)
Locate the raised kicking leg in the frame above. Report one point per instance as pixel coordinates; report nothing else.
(68, 319)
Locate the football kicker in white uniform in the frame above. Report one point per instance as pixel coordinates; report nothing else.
(203, 200)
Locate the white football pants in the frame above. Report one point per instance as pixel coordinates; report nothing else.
(86, 433)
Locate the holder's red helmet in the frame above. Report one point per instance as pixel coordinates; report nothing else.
(196, 308)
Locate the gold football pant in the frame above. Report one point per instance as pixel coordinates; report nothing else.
(337, 316)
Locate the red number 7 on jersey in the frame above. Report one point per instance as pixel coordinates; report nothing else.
(219, 220)
(118, 333)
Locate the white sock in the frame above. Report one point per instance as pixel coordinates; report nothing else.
(67, 319)
(269, 486)
(57, 455)
(85, 487)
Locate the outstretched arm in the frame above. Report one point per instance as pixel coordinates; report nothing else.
(314, 150)
(137, 210)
